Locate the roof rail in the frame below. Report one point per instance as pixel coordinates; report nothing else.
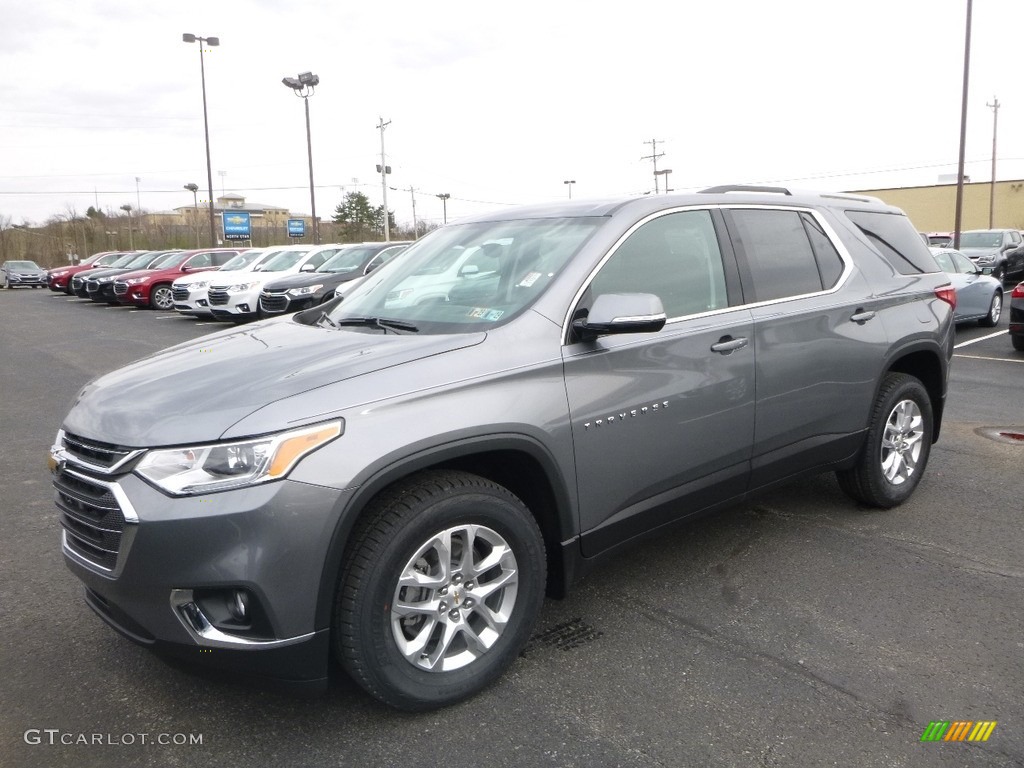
(851, 196)
(744, 188)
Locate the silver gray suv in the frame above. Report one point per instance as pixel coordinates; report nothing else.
(397, 478)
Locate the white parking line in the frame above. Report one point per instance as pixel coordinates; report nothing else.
(980, 338)
(996, 359)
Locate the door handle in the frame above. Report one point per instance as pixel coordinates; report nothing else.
(727, 344)
(861, 317)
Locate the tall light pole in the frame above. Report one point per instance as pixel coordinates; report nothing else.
(194, 189)
(222, 174)
(384, 169)
(212, 42)
(305, 86)
(444, 203)
(959, 209)
(570, 182)
(131, 237)
(994, 106)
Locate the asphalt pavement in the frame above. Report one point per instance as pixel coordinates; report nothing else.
(796, 630)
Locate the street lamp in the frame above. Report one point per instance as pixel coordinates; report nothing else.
(570, 183)
(194, 189)
(305, 85)
(212, 42)
(131, 237)
(444, 202)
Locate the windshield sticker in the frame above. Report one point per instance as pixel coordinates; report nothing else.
(486, 314)
(529, 280)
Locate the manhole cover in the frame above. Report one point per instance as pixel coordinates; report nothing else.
(1008, 435)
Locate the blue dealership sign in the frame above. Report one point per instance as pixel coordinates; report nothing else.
(237, 225)
(296, 228)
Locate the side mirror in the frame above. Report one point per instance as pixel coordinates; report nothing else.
(614, 313)
(984, 271)
(469, 269)
(307, 268)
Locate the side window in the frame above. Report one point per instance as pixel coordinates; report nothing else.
(895, 239)
(945, 262)
(319, 259)
(830, 264)
(963, 265)
(778, 253)
(199, 260)
(675, 257)
(220, 258)
(1014, 238)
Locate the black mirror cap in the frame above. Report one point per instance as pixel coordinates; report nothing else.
(615, 313)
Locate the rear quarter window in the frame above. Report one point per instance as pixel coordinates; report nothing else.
(896, 240)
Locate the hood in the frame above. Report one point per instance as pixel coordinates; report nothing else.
(194, 392)
(311, 278)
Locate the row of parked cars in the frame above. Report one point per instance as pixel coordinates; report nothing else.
(231, 284)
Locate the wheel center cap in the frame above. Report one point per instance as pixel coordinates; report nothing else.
(456, 595)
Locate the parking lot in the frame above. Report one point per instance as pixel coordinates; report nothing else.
(797, 630)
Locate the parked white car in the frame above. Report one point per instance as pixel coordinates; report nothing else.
(189, 292)
(237, 298)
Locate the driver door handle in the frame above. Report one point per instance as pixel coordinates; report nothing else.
(860, 316)
(727, 344)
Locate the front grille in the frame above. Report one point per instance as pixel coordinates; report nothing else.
(218, 296)
(92, 286)
(76, 282)
(180, 293)
(90, 516)
(274, 302)
(120, 289)
(105, 455)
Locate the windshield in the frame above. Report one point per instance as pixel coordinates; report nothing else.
(139, 260)
(284, 260)
(348, 260)
(981, 239)
(468, 277)
(172, 259)
(22, 265)
(244, 259)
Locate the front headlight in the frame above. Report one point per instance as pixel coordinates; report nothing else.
(242, 287)
(305, 291)
(196, 286)
(104, 279)
(223, 466)
(135, 281)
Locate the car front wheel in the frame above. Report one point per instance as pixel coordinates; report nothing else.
(897, 445)
(161, 297)
(994, 311)
(440, 590)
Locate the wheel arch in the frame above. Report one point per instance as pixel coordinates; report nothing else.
(925, 363)
(516, 462)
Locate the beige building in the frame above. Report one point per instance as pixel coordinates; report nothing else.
(263, 217)
(933, 209)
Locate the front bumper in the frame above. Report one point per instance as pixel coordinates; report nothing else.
(236, 307)
(161, 588)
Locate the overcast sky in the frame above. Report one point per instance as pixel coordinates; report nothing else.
(495, 103)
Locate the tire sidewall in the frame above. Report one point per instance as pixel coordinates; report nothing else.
(392, 673)
(907, 388)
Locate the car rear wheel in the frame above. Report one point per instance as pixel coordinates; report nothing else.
(897, 445)
(440, 590)
(994, 311)
(161, 297)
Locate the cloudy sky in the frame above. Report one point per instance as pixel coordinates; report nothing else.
(495, 103)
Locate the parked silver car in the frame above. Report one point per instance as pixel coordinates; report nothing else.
(979, 296)
(16, 274)
(398, 484)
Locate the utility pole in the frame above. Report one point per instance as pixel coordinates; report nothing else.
(959, 209)
(384, 171)
(415, 228)
(654, 158)
(994, 106)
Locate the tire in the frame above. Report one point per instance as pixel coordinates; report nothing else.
(161, 297)
(896, 447)
(461, 638)
(995, 309)
(1018, 342)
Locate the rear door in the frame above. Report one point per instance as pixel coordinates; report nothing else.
(662, 423)
(818, 345)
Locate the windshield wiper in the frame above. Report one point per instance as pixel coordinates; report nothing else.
(325, 318)
(376, 322)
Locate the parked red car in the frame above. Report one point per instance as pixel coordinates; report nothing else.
(152, 287)
(59, 278)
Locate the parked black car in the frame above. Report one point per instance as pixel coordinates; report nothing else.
(1017, 318)
(307, 289)
(100, 286)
